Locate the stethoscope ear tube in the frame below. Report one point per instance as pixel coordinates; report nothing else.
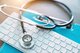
(66, 8)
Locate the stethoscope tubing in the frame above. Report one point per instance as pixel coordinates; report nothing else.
(49, 17)
(2, 6)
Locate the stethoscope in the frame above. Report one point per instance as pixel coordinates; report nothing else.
(48, 22)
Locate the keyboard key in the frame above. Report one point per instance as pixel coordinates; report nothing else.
(63, 44)
(40, 33)
(46, 36)
(51, 33)
(31, 28)
(50, 49)
(35, 30)
(4, 31)
(27, 26)
(33, 48)
(63, 50)
(43, 51)
(19, 28)
(47, 31)
(10, 21)
(6, 26)
(12, 29)
(14, 25)
(38, 49)
(40, 38)
(45, 41)
(38, 43)
(74, 44)
(57, 47)
(6, 38)
(56, 35)
(68, 41)
(69, 47)
(75, 50)
(51, 38)
(78, 47)
(16, 37)
(69, 52)
(17, 32)
(20, 35)
(1, 35)
(44, 46)
(30, 51)
(30, 32)
(62, 38)
(56, 51)
(57, 41)
(12, 41)
(52, 44)
(34, 35)
(11, 34)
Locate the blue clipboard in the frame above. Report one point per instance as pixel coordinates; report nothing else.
(73, 34)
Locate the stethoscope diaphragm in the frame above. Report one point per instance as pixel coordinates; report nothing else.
(26, 41)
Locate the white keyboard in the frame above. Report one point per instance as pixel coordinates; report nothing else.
(46, 41)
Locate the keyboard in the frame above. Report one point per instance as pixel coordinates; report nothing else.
(46, 41)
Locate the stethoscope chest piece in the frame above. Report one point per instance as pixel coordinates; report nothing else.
(26, 41)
